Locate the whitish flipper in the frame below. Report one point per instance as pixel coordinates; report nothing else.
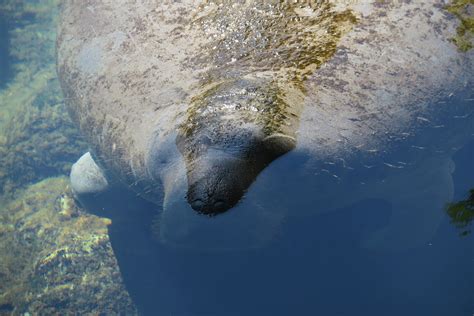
(418, 200)
(87, 178)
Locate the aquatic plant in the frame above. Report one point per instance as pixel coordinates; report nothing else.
(54, 258)
(31, 51)
(38, 142)
(25, 9)
(37, 139)
(462, 213)
(464, 11)
(31, 34)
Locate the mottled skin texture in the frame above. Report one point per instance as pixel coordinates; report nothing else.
(199, 57)
(205, 94)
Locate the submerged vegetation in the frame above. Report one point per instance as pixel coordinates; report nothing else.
(462, 213)
(39, 142)
(31, 37)
(37, 139)
(54, 259)
(464, 11)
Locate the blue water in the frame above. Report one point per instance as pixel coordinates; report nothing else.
(315, 266)
(5, 71)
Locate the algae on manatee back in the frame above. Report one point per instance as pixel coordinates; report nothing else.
(278, 43)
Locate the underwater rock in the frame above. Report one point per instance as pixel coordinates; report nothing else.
(56, 260)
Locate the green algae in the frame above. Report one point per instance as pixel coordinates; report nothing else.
(284, 38)
(53, 258)
(462, 213)
(38, 142)
(260, 102)
(32, 35)
(259, 55)
(19, 10)
(37, 138)
(56, 259)
(31, 52)
(464, 11)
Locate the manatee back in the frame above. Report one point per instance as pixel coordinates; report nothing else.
(122, 72)
(398, 74)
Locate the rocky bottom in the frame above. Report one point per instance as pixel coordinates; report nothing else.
(56, 259)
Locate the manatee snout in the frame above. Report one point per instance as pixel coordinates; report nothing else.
(219, 174)
(218, 181)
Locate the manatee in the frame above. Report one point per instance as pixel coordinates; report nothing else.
(196, 104)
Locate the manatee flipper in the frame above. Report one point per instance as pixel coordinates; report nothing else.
(418, 200)
(87, 178)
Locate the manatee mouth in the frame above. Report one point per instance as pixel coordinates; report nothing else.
(210, 208)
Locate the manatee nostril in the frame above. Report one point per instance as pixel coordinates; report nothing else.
(220, 206)
(197, 205)
(210, 207)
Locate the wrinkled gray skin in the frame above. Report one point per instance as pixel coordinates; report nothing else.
(188, 102)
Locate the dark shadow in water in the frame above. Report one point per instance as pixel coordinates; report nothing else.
(315, 266)
(297, 272)
(5, 62)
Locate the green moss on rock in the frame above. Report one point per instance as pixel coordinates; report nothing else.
(37, 138)
(464, 11)
(462, 213)
(32, 33)
(39, 141)
(55, 259)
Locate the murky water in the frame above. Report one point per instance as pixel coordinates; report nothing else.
(317, 264)
(4, 65)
